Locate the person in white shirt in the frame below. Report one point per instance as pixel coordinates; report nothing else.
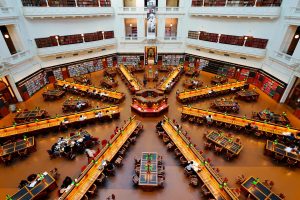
(82, 118)
(209, 119)
(90, 153)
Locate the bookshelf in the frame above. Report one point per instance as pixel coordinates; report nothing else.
(256, 43)
(62, 3)
(41, 3)
(77, 70)
(87, 3)
(89, 37)
(105, 3)
(109, 34)
(211, 37)
(129, 60)
(70, 39)
(110, 62)
(97, 63)
(193, 35)
(173, 60)
(231, 39)
(58, 74)
(35, 83)
(197, 3)
(214, 3)
(46, 42)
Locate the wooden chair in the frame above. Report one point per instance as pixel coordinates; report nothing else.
(258, 133)
(207, 145)
(205, 190)
(183, 161)
(218, 149)
(170, 146)
(101, 178)
(177, 152)
(278, 157)
(92, 191)
(229, 155)
(6, 159)
(227, 125)
(292, 162)
(85, 197)
(135, 179)
(194, 181)
(23, 153)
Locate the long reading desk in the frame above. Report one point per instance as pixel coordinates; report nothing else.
(130, 78)
(166, 85)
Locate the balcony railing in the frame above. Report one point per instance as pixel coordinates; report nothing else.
(286, 59)
(143, 10)
(17, 58)
(254, 12)
(55, 50)
(7, 12)
(293, 13)
(44, 12)
(227, 48)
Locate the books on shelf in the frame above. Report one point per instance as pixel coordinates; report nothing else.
(58, 74)
(172, 59)
(35, 83)
(193, 35)
(128, 60)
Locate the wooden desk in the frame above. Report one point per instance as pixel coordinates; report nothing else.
(192, 83)
(225, 105)
(258, 190)
(108, 83)
(276, 118)
(136, 68)
(29, 116)
(117, 96)
(71, 104)
(50, 123)
(219, 80)
(272, 148)
(94, 169)
(148, 171)
(149, 92)
(26, 193)
(111, 71)
(130, 78)
(171, 77)
(14, 147)
(204, 92)
(53, 94)
(82, 80)
(239, 121)
(150, 75)
(164, 68)
(225, 142)
(208, 176)
(247, 95)
(192, 72)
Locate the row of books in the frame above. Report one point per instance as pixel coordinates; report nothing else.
(73, 39)
(229, 39)
(241, 3)
(67, 3)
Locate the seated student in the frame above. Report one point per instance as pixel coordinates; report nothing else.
(189, 167)
(81, 118)
(248, 127)
(78, 105)
(291, 138)
(233, 89)
(236, 106)
(62, 126)
(99, 115)
(209, 119)
(177, 92)
(210, 91)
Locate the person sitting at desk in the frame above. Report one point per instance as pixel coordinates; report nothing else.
(81, 118)
(209, 119)
(233, 89)
(189, 167)
(177, 91)
(62, 126)
(235, 107)
(99, 115)
(211, 91)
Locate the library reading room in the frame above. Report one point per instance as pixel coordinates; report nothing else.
(149, 99)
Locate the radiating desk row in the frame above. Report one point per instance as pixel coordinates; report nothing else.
(94, 169)
(112, 111)
(84, 88)
(129, 77)
(170, 80)
(239, 121)
(206, 173)
(189, 95)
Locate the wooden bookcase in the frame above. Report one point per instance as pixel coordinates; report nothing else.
(70, 39)
(193, 35)
(87, 3)
(46, 42)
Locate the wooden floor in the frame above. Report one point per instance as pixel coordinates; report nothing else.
(251, 162)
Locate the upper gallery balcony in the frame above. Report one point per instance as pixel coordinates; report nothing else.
(8, 13)
(70, 8)
(143, 11)
(289, 61)
(55, 45)
(293, 13)
(229, 44)
(17, 58)
(236, 8)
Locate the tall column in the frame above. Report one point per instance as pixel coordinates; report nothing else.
(14, 88)
(288, 88)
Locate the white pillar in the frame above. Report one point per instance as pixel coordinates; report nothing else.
(99, 3)
(288, 89)
(14, 88)
(76, 3)
(47, 3)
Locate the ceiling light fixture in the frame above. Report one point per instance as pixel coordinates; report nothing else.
(130, 25)
(171, 25)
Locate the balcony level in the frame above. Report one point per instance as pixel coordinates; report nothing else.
(293, 13)
(143, 11)
(71, 8)
(285, 59)
(75, 48)
(8, 13)
(227, 48)
(17, 58)
(238, 12)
